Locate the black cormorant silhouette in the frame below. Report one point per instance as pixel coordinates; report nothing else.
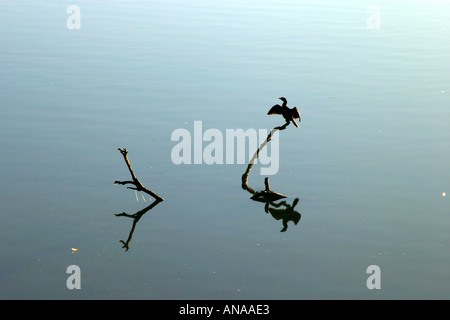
(287, 113)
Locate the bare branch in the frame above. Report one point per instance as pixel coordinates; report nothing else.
(267, 195)
(135, 181)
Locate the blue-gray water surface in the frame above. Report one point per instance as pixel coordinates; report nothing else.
(368, 165)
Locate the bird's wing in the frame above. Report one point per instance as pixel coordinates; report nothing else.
(296, 114)
(276, 109)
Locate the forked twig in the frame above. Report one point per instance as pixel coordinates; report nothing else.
(137, 184)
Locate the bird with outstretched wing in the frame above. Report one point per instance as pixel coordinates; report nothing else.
(287, 113)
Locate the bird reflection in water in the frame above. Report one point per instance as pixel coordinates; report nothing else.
(286, 213)
(279, 211)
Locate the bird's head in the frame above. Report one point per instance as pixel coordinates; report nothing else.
(283, 99)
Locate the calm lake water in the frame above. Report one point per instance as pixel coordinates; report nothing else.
(369, 163)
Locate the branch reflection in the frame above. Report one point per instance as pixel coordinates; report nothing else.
(279, 211)
(136, 217)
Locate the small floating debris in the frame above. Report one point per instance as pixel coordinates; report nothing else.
(443, 194)
(75, 250)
